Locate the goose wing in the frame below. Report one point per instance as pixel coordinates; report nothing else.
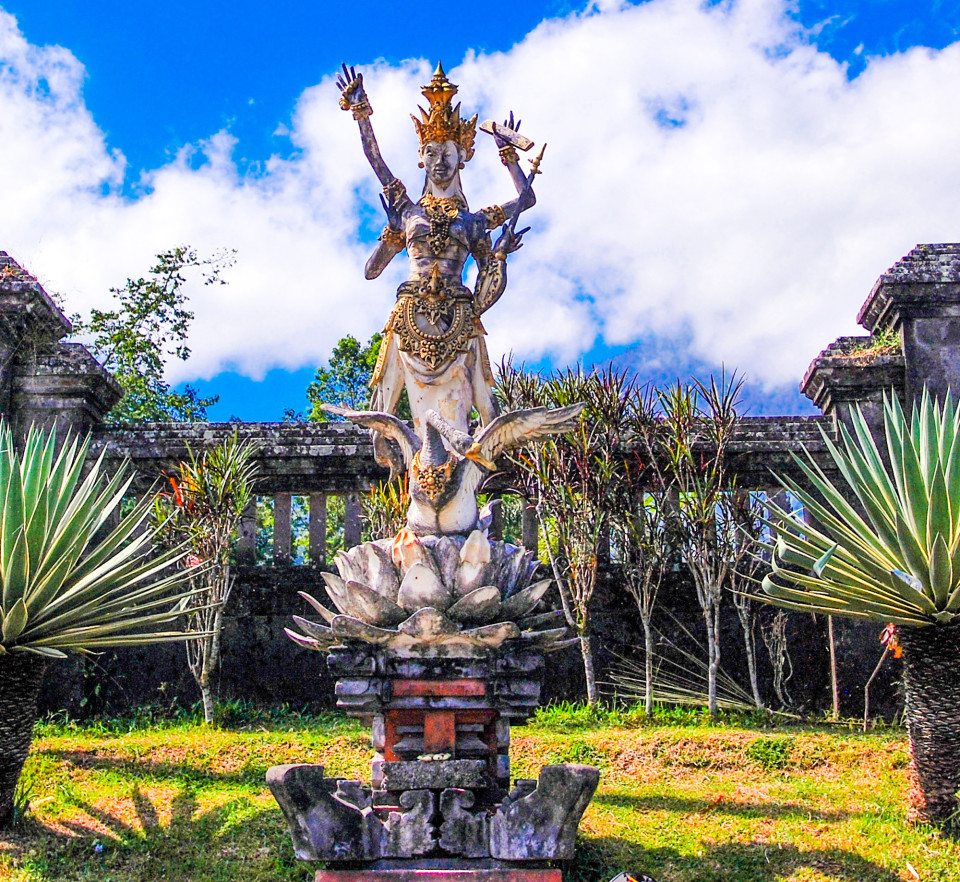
(522, 426)
(401, 441)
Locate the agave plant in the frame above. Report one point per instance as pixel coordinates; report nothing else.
(66, 586)
(895, 558)
(461, 596)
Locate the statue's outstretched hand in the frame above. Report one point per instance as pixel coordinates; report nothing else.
(394, 217)
(509, 241)
(509, 124)
(350, 84)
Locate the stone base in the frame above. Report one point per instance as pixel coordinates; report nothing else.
(411, 875)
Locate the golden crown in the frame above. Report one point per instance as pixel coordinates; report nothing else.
(442, 122)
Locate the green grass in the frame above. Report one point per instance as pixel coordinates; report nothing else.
(681, 800)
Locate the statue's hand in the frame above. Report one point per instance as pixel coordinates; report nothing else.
(508, 242)
(394, 217)
(350, 84)
(510, 124)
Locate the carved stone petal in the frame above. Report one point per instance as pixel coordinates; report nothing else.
(553, 617)
(493, 635)
(319, 607)
(478, 607)
(349, 567)
(310, 642)
(560, 644)
(447, 555)
(408, 550)
(372, 607)
(381, 573)
(476, 550)
(317, 632)
(514, 572)
(524, 602)
(421, 587)
(348, 628)
(337, 592)
(543, 639)
(474, 557)
(429, 626)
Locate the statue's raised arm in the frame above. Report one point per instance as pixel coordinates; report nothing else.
(353, 97)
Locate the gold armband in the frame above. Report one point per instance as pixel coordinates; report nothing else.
(494, 216)
(509, 155)
(360, 110)
(395, 191)
(394, 238)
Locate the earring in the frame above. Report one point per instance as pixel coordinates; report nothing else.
(419, 165)
(461, 165)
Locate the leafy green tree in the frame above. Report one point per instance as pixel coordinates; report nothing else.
(346, 378)
(150, 324)
(893, 556)
(65, 585)
(203, 508)
(576, 477)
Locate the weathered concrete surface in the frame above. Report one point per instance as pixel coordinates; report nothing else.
(297, 458)
(543, 824)
(479, 874)
(841, 379)
(323, 826)
(43, 381)
(436, 775)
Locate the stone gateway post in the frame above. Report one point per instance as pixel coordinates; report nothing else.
(437, 636)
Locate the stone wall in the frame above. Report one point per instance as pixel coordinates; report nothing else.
(49, 382)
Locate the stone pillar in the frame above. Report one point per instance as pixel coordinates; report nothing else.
(530, 530)
(351, 520)
(318, 529)
(43, 381)
(843, 377)
(281, 528)
(247, 536)
(919, 296)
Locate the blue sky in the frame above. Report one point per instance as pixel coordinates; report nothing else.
(724, 181)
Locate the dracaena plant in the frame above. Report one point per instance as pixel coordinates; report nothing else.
(69, 583)
(887, 547)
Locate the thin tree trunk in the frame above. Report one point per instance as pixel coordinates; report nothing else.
(21, 675)
(713, 656)
(931, 681)
(747, 622)
(647, 665)
(834, 684)
(586, 650)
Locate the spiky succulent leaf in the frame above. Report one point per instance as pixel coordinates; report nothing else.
(900, 563)
(61, 589)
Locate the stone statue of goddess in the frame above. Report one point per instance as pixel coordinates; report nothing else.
(433, 341)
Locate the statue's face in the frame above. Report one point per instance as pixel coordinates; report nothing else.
(440, 161)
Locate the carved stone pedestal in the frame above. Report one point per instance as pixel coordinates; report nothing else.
(438, 875)
(440, 806)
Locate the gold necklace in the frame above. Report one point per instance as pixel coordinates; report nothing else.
(441, 211)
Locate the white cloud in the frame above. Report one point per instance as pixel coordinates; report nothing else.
(753, 225)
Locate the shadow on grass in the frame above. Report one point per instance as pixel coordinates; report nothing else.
(227, 840)
(601, 859)
(686, 805)
(151, 770)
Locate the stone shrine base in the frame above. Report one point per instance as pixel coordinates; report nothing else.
(477, 874)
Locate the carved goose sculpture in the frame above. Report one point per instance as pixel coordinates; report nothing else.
(444, 481)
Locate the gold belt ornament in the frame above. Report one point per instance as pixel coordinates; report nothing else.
(442, 303)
